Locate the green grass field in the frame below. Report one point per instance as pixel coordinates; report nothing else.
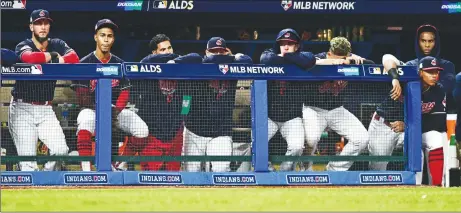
(233, 199)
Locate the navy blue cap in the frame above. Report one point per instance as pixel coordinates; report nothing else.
(216, 43)
(429, 63)
(39, 14)
(105, 23)
(289, 36)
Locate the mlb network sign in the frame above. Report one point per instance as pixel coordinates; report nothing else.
(384, 178)
(318, 5)
(17, 179)
(13, 4)
(225, 68)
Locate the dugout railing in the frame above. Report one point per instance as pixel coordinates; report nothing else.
(259, 158)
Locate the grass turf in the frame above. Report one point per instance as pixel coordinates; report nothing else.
(233, 199)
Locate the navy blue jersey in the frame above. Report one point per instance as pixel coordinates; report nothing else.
(117, 85)
(212, 107)
(159, 101)
(285, 100)
(213, 101)
(326, 95)
(391, 110)
(42, 90)
(433, 109)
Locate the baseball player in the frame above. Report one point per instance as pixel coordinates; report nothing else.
(433, 124)
(324, 108)
(209, 122)
(284, 101)
(31, 116)
(128, 121)
(160, 103)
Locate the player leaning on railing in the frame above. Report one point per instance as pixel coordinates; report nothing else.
(159, 103)
(209, 122)
(323, 107)
(124, 119)
(284, 102)
(31, 116)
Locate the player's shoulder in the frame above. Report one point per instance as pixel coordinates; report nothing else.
(322, 55)
(26, 43)
(88, 58)
(116, 59)
(438, 89)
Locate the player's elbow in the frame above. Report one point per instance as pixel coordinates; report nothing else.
(390, 60)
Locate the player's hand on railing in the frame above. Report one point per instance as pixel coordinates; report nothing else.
(396, 89)
(355, 59)
(171, 62)
(398, 126)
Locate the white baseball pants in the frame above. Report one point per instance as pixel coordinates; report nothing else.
(195, 145)
(341, 121)
(292, 131)
(382, 141)
(27, 124)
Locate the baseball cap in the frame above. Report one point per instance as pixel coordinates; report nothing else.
(216, 43)
(429, 63)
(39, 14)
(289, 36)
(105, 23)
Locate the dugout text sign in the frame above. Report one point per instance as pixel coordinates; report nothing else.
(260, 6)
(264, 72)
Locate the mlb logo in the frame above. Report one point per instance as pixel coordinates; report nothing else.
(160, 4)
(224, 68)
(132, 68)
(36, 69)
(286, 4)
(13, 4)
(374, 70)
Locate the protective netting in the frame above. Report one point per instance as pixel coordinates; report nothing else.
(33, 126)
(338, 118)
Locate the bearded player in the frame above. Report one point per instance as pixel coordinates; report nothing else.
(31, 115)
(127, 120)
(209, 122)
(284, 101)
(160, 103)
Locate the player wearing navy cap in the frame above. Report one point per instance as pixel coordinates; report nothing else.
(434, 125)
(160, 103)
(127, 120)
(31, 115)
(209, 122)
(284, 102)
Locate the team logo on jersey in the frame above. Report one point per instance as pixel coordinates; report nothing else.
(13, 4)
(286, 4)
(224, 68)
(114, 83)
(334, 87)
(427, 107)
(219, 87)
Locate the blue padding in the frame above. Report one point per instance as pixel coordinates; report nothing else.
(61, 71)
(263, 72)
(413, 134)
(260, 125)
(103, 124)
(205, 178)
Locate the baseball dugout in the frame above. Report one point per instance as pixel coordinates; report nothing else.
(252, 118)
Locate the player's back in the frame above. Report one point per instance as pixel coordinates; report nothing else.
(434, 114)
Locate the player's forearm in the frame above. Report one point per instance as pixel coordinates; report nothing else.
(35, 57)
(389, 62)
(327, 61)
(71, 58)
(122, 100)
